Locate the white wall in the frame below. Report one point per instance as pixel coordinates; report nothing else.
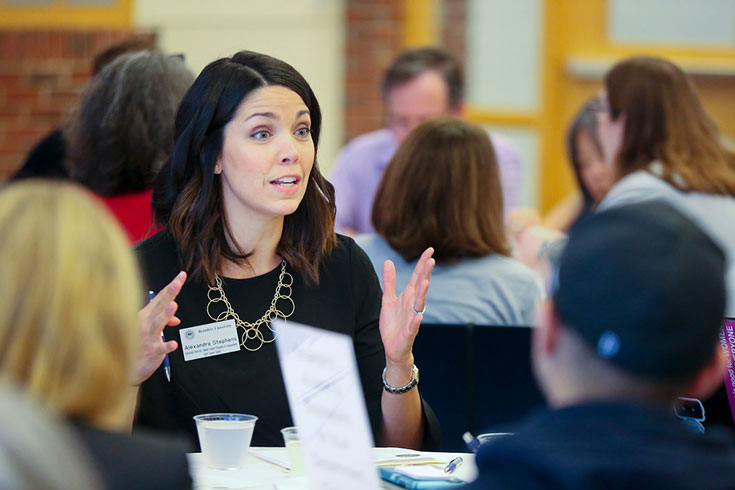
(504, 71)
(700, 23)
(309, 34)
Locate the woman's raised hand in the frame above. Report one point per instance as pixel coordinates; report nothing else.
(152, 319)
(400, 316)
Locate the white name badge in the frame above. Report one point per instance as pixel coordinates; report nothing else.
(210, 339)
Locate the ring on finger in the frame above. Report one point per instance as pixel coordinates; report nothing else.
(418, 312)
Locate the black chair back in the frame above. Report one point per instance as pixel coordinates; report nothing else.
(475, 377)
(505, 387)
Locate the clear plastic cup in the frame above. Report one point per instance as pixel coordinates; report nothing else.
(293, 448)
(225, 438)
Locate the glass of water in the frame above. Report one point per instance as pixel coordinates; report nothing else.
(225, 438)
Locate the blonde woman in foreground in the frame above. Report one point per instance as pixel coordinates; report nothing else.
(69, 296)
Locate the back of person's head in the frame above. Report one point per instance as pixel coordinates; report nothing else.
(69, 296)
(409, 64)
(122, 132)
(642, 288)
(442, 189)
(187, 197)
(584, 125)
(129, 45)
(38, 451)
(665, 122)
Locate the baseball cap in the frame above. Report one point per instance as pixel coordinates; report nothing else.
(645, 287)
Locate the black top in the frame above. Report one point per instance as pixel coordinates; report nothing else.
(608, 446)
(46, 159)
(347, 300)
(717, 409)
(142, 461)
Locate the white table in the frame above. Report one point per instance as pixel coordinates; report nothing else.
(261, 474)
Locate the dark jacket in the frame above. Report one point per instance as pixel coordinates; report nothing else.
(608, 446)
(137, 461)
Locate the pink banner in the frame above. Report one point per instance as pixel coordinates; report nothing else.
(727, 343)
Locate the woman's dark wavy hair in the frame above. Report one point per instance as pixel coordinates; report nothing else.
(585, 121)
(187, 195)
(122, 131)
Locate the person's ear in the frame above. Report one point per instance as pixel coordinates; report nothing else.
(610, 133)
(709, 378)
(546, 335)
(218, 166)
(457, 110)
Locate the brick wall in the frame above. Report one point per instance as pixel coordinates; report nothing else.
(374, 37)
(454, 21)
(42, 73)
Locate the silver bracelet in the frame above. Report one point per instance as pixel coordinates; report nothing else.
(397, 391)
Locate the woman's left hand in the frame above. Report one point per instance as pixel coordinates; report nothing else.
(398, 322)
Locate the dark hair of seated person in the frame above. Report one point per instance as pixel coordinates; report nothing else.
(187, 195)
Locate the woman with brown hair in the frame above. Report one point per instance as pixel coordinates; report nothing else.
(442, 190)
(248, 215)
(663, 145)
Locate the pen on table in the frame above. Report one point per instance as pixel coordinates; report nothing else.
(166, 363)
(453, 464)
(471, 441)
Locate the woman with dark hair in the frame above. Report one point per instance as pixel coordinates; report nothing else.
(593, 174)
(122, 133)
(248, 216)
(442, 189)
(594, 178)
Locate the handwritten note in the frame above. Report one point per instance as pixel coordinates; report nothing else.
(325, 395)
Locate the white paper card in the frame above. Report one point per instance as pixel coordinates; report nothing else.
(325, 395)
(210, 339)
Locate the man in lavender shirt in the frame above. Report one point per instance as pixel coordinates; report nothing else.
(420, 84)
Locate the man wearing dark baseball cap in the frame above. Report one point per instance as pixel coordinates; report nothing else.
(636, 306)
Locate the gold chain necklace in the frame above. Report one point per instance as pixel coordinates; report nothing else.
(252, 338)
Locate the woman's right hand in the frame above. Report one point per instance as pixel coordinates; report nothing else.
(152, 319)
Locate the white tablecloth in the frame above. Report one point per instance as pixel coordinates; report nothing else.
(262, 475)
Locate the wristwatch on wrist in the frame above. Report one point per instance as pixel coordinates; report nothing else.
(397, 391)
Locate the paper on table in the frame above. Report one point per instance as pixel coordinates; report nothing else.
(275, 455)
(382, 456)
(255, 474)
(325, 395)
(394, 456)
